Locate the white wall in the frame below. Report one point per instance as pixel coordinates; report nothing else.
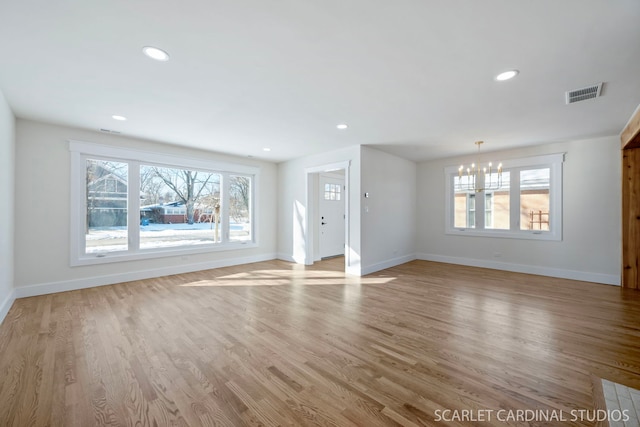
(42, 219)
(380, 238)
(293, 210)
(590, 249)
(388, 224)
(7, 147)
(383, 236)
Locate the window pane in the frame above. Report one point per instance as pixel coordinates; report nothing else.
(471, 210)
(497, 204)
(178, 207)
(463, 210)
(534, 199)
(106, 203)
(240, 208)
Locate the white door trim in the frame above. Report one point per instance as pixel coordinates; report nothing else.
(311, 203)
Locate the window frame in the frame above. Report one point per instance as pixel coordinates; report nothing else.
(552, 161)
(81, 151)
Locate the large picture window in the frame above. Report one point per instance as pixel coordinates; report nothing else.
(128, 204)
(527, 205)
(179, 207)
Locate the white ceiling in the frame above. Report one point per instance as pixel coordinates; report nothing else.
(412, 77)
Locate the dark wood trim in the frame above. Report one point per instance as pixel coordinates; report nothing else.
(631, 218)
(630, 136)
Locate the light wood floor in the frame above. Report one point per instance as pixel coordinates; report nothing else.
(274, 343)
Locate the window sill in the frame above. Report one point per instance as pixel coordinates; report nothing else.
(111, 257)
(506, 234)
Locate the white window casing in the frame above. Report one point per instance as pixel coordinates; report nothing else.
(514, 166)
(81, 151)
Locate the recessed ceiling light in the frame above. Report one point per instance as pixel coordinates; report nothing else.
(155, 53)
(117, 117)
(266, 149)
(342, 126)
(507, 75)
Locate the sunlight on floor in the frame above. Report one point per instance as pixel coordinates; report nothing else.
(288, 277)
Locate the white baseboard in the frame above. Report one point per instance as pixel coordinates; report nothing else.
(5, 305)
(358, 270)
(285, 257)
(585, 276)
(90, 282)
(354, 270)
(368, 269)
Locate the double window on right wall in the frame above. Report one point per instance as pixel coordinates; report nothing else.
(524, 200)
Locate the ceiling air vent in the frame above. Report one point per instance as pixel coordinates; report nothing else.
(584, 93)
(109, 131)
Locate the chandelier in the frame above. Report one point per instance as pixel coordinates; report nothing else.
(478, 178)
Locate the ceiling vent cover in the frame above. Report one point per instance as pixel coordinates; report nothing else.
(109, 131)
(584, 93)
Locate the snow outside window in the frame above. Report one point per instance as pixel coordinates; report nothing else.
(130, 205)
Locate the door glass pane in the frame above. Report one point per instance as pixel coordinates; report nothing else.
(496, 204)
(240, 208)
(106, 206)
(178, 207)
(332, 192)
(534, 199)
(464, 205)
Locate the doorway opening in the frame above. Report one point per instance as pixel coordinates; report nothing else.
(331, 237)
(327, 222)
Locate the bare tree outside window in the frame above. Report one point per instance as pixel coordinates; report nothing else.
(151, 188)
(173, 205)
(187, 185)
(240, 189)
(181, 207)
(240, 207)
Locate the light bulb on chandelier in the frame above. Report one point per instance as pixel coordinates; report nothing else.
(478, 179)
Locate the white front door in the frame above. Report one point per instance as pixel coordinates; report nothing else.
(332, 215)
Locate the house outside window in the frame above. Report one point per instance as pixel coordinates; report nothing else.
(471, 210)
(124, 207)
(488, 210)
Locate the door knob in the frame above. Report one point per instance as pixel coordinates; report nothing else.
(323, 223)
